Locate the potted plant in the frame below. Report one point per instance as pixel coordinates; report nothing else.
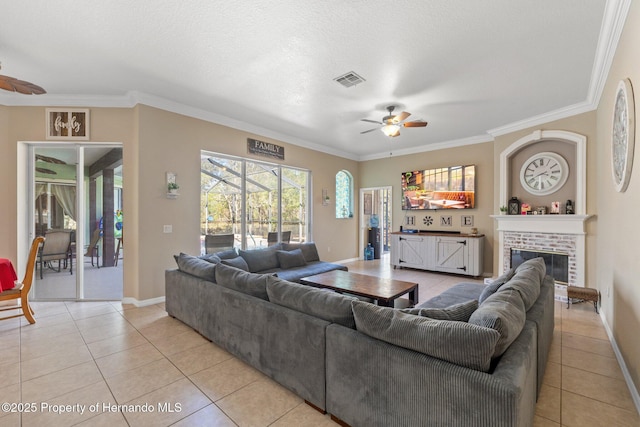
(503, 210)
(172, 187)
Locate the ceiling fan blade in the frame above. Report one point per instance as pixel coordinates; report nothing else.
(14, 85)
(48, 159)
(416, 124)
(370, 130)
(45, 171)
(400, 117)
(371, 121)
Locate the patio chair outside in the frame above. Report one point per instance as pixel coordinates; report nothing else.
(56, 248)
(218, 242)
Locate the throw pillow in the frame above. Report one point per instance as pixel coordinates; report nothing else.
(242, 281)
(196, 267)
(461, 343)
(309, 250)
(260, 259)
(212, 258)
(457, 312)
(291, 259)
(231, 253)
(503, 311)
(527, 281)
(534, 265)
(322, 303)
(237, 262)
(495, 285)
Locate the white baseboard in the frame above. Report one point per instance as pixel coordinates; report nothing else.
(623, 366)
(344, 261)
(143, 303)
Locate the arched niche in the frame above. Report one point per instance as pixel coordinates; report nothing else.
(580, 142)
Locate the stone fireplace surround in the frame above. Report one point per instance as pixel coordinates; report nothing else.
(552, 233)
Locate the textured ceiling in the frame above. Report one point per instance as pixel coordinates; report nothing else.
(466, 67)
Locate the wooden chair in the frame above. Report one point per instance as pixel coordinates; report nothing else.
(93, 249)
(21, 290)
(218, 242)
(56, 248)
(272, 237)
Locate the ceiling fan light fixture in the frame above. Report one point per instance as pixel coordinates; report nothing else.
(391, 130)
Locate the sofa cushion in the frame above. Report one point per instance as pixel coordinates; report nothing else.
(461, 343)
(461, 292)
(291, 259)
(527, 280)
(503, 311)
(196, 266)
(242, 281)
(495, 285)
(312, 268)
(261, 259)
(457, 312)
(237, 262)
(324, 304)
(309, 250)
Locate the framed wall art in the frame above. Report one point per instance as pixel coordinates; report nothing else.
(67, 124)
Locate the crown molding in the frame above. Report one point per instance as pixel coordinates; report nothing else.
(133, 98)
(479, 139)
(615, 15)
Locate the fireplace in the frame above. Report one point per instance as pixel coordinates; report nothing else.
(562, 235)
(557, 263)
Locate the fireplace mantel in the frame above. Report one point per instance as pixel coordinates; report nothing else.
(556, 224)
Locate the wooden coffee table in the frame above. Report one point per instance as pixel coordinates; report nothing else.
(384, 291)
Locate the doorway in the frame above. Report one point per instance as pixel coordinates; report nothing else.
(75, 202)
(375, 219)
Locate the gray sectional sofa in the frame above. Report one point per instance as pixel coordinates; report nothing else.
(474, 355)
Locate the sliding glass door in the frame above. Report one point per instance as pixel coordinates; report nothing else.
(77, 207)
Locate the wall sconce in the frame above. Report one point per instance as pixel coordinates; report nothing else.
(172, 186)
(325, 197)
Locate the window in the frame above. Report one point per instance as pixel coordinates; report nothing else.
(344, 194)
(251, 199)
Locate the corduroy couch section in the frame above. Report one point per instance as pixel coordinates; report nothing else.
(336, 352)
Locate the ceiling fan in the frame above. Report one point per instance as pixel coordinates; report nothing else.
(390, 124)
(14, 85)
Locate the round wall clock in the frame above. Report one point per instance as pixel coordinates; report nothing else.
(623, 135)
(544, 173)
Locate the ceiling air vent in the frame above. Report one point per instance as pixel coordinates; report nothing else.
(349, 79)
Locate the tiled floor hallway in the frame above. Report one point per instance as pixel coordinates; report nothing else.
(100, 354)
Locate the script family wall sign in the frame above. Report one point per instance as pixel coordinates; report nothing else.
(67, 124)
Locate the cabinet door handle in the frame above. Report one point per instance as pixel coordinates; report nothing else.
(462, 268)
(463, 242)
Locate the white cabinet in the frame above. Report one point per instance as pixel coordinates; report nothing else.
(461, 254)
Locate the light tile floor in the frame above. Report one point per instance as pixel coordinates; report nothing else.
(100, 356)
